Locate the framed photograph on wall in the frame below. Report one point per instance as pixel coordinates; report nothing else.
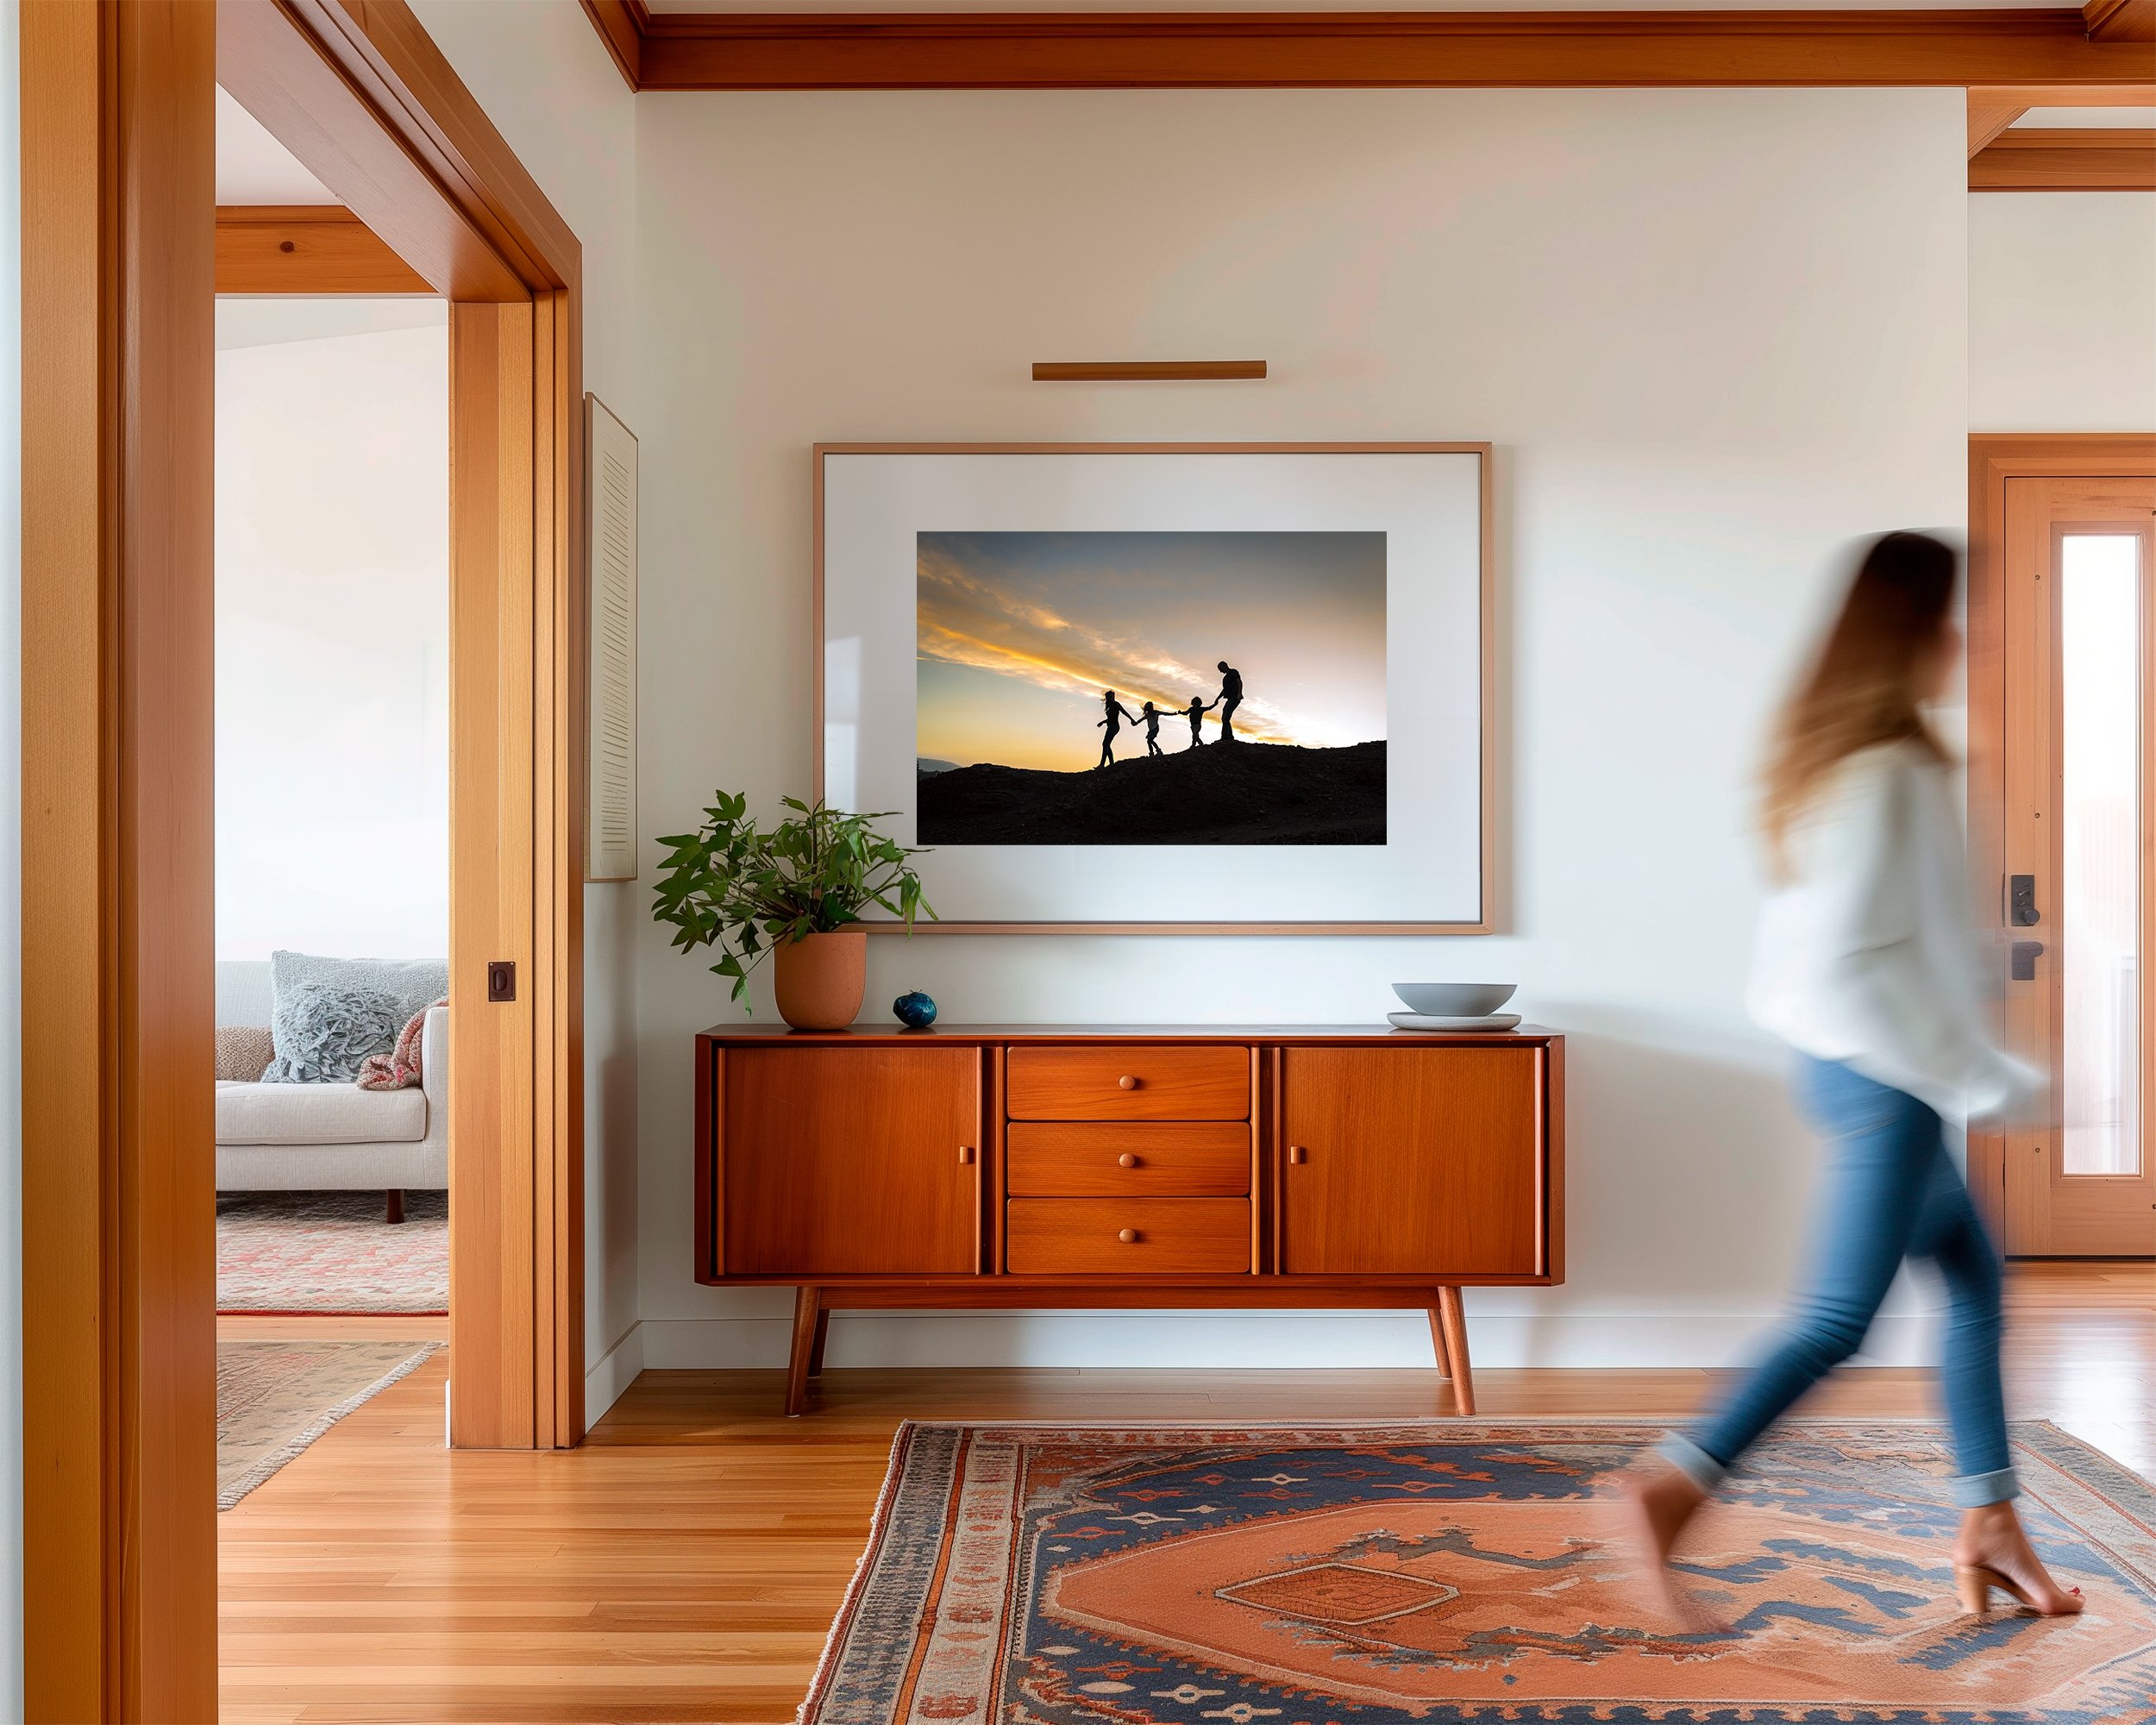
(1164, 688)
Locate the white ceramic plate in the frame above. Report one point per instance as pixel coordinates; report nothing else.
(1422, 1021)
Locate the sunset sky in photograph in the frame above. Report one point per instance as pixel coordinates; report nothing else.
(1019, 633)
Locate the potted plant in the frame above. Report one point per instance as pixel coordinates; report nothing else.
(796, 892)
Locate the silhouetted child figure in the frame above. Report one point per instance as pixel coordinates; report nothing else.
(1192, 712)
(1107, 741)
(1152, 717)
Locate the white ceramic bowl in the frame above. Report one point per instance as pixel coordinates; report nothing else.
(1455, 1000)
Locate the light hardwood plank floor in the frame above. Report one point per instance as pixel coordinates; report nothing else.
(685, 1563)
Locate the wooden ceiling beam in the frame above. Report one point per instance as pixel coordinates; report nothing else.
(2120, 20)
(2048, 49)
(307, 248)
(2066, 159)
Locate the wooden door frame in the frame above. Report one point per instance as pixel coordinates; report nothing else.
(1995, 458)
(118, 1261)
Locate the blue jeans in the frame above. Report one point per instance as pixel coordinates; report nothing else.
(1890, 1192)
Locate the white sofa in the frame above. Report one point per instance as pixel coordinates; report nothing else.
(300, 1137)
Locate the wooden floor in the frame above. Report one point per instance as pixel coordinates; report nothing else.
(685, 1563)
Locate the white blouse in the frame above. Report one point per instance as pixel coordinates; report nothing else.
(1865, 953)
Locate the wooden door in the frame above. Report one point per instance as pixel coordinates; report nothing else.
(1412, 1162)
(2073, 908)
(850, 1161)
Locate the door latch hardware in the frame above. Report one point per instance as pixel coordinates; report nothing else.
(2025, 953)
(501, 980)
(2020, 900)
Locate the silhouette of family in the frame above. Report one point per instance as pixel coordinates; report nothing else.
(1229, 699)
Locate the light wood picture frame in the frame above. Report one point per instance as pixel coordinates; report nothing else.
(881, 509)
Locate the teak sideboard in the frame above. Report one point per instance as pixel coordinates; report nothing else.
(1045, 1165)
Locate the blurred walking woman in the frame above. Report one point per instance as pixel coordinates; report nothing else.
(1866, 967)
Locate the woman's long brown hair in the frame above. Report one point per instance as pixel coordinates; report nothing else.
(1865, 686)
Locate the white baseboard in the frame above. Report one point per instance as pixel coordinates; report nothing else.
(1241, 1339)
(615, 1371)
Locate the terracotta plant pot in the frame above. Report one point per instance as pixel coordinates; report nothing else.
(820, 979)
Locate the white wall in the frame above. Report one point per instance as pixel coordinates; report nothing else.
(1714, 335)
(333, 628)
(2062, 311)
(538, 69)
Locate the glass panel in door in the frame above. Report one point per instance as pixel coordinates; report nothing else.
(2099, 807)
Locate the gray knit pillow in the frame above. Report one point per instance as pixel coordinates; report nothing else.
(323, 1031)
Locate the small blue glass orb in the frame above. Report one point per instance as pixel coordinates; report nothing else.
(915, 1011)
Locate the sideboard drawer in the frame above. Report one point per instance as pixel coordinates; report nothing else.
(1128, 1159)
(1168, 1082)
(1128, 1236)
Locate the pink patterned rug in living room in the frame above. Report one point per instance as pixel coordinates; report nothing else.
(323, 1253)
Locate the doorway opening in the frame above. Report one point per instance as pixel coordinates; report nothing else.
(2062, 815)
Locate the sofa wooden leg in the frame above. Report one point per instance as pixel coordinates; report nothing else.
(807, 1315)
(393, 1209)
(1452, 1318)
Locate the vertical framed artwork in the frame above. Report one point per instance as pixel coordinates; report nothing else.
(1164, 688)
(610, 518)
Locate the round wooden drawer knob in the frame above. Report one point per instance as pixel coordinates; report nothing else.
(1126, 1082)
(1128, 1236)
(1126, 1160)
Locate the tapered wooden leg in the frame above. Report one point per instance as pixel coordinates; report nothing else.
(807, 1313)
(1452, 1321)
(816, 1352)
(1437, 1344)
(393, 1204)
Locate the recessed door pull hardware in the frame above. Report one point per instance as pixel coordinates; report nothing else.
(2020, 900)
(501, 980)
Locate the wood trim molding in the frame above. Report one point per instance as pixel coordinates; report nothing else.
(621, 25)
(1987, 119)
(360, 93)
(307, 248)
(1167, 50)
(2065, 159)
(2120, 20)
(1995, 458)
(119, 1598)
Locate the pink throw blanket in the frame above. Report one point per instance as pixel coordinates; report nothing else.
(399, 1069)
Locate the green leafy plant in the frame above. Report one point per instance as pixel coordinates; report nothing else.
(731, 885)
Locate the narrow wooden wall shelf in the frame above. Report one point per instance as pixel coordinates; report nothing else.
(1146, 371)
(1104, 1166)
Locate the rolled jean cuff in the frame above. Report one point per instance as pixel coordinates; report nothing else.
(1974, 1490)
(1693, 1462)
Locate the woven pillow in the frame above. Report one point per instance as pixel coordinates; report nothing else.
(324, 1030)
(243, 1053)
(333, 1041)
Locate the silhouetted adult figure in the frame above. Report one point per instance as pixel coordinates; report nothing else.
(1107, 739)
(1231, 698)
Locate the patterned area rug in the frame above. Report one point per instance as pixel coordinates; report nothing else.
(274, 1398)
(1467, 1571)
(331, 1252)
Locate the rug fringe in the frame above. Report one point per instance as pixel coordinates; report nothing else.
(886, 1495)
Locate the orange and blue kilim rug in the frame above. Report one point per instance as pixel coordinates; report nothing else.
(1468, 1573)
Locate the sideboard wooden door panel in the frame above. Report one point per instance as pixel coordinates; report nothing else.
(1411, 1161)
(851, 1162)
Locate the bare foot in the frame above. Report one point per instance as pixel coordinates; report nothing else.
(1992, 1538)
(1659, 1502)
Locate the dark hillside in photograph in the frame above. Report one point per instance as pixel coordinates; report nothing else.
(1236, 793)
